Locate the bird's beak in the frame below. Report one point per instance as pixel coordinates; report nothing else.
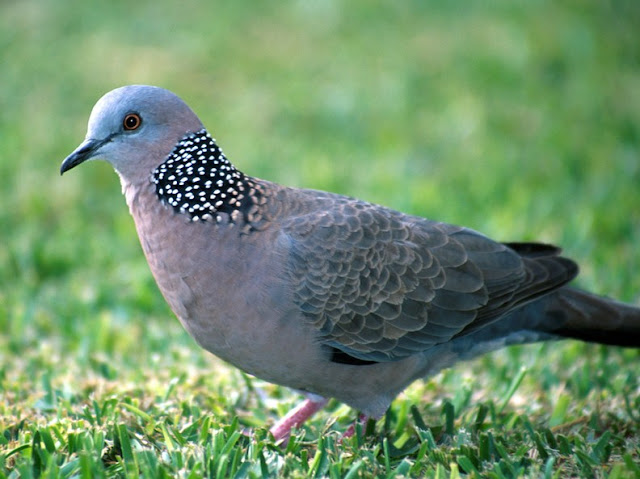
(87, 150)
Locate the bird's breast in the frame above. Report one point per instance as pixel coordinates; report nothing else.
(229, 288)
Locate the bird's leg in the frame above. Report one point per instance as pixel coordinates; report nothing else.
(362, 419)
(296, 417)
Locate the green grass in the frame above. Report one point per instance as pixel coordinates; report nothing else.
(519, 119)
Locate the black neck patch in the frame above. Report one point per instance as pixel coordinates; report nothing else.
(198, 180)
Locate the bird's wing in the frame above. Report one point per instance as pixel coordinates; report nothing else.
(380, 286)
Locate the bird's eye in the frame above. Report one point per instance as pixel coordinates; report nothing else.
(132, 121)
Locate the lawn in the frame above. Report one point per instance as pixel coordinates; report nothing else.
(518, 119)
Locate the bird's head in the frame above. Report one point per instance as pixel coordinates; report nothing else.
(134, 128)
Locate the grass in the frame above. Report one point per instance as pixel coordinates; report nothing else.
(519, 119)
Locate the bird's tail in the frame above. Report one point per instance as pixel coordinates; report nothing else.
(572, 313)
(564, 313)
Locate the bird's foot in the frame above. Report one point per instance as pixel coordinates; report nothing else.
(281, 430)
(363, 419)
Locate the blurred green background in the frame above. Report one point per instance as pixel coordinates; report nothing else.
(518, 119)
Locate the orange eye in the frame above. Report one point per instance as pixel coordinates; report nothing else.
(132, 121)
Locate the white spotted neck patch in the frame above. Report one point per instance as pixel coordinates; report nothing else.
(198, 180)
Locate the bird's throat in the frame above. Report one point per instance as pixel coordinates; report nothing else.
(198, 180)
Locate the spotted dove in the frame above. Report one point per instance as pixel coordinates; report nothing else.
(326, 294)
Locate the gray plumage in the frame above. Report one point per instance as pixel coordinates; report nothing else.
(320, 292)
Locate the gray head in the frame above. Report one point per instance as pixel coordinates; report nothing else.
(148, 134)
(134, 128)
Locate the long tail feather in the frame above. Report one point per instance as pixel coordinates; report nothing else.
(588, 317)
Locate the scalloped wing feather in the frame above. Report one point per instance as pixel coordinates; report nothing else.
(380, 285)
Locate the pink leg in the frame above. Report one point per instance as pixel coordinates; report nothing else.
(362, 419)
(295, 418)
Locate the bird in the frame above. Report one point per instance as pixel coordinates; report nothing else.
(326, 294)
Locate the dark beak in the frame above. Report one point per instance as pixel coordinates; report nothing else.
(84, 152)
